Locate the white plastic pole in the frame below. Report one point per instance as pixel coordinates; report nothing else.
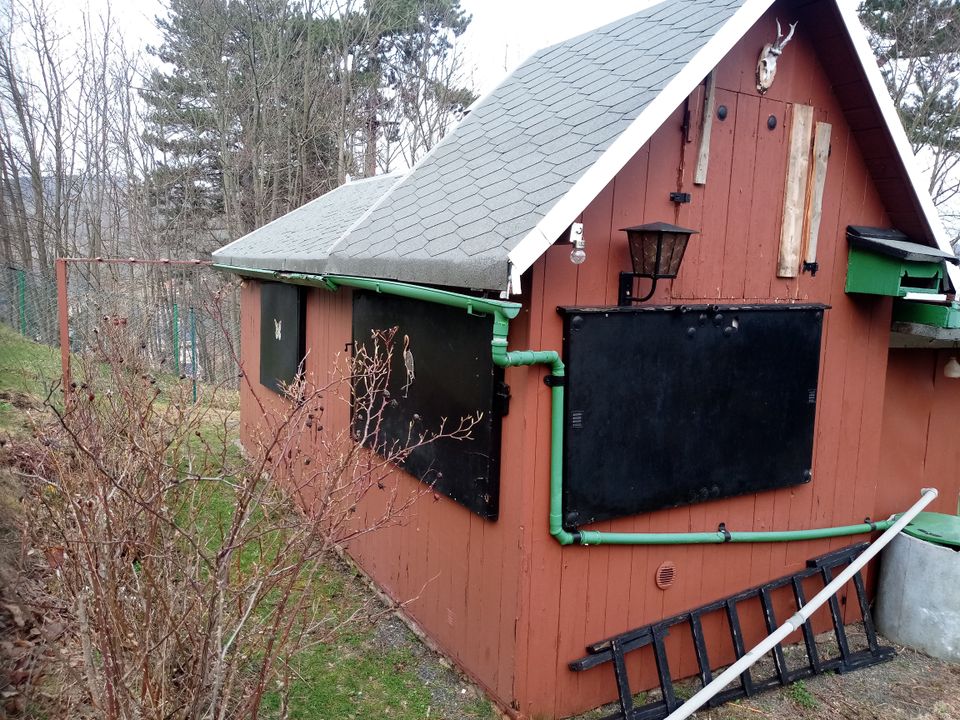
(689, 707)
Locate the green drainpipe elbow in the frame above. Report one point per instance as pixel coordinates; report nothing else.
(505, 358)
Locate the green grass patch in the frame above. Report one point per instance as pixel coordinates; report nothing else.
(800, 695)
(25, 365)
(359, 684)
(27, 372)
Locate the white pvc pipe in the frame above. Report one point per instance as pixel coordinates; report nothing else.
(689, 707)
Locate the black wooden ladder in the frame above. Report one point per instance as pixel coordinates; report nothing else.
(613, 650)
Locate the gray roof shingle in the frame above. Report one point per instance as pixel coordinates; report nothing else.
(299, 240)
(501, 169)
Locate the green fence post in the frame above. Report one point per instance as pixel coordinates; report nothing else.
(22, 295)
(193, 349)
(176, 339)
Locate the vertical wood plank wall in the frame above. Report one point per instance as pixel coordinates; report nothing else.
(502, 598)
(581, 595)
(919, 444)
(458, 576)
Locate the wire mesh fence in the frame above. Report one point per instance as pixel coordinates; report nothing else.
(184, 315)
(28, 303)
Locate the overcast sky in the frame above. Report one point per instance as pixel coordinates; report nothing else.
(503, 32)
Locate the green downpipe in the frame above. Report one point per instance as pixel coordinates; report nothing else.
(502, 313)
(506, 358)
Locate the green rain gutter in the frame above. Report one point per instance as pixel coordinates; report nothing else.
(503, 312)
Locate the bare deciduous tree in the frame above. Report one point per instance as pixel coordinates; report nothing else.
(193, 575)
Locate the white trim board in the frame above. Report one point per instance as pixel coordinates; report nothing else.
(629, 143)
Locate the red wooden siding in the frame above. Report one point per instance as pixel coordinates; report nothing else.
(580, 595)
(458, 576)
(918, 445)
(502, 598)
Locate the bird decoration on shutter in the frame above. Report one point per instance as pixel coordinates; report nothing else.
(408, 365)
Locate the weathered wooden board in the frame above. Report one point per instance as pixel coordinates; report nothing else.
(703, 153)
(818, 179)
(798, 167)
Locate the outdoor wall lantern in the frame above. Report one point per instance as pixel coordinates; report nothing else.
(656, 250)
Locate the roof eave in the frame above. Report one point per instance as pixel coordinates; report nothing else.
(614, 158)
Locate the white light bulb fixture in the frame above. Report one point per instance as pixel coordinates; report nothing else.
(952, 368)
(579, 253)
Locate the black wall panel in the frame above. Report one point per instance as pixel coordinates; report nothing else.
(455, 377)
(282, 333)
(667, 406)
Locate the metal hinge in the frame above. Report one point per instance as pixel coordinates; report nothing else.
(501, 399)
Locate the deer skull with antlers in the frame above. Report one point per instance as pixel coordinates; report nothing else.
(767, 65)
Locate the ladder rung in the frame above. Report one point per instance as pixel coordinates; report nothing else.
(836, 616)
(700, 646)
(868, 626)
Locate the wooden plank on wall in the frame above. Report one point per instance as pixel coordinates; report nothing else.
(818, 179)
(703, 155)
(798, 167)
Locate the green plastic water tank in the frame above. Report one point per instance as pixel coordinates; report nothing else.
(936, 528)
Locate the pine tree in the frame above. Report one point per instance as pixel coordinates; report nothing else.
(261, 105)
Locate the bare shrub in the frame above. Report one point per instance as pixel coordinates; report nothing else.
(191, 571)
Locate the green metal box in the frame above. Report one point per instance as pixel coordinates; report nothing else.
(883, 261)
(873, 274)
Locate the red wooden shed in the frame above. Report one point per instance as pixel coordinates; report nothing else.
(792, 376)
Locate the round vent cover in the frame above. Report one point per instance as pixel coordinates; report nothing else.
(666, 574)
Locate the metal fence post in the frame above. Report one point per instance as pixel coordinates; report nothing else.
(176, 338)
(193, 349)
(22, 300)
(63, 312)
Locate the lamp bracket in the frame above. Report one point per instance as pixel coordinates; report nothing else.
(576, 234)
(680, 197)
(625, 296)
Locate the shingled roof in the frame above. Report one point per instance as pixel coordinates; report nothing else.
(490, 198)
(299, 240)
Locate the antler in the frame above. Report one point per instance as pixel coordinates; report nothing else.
(782, 43)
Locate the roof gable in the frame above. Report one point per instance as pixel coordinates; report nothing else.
(501, 174)
(498, 191)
